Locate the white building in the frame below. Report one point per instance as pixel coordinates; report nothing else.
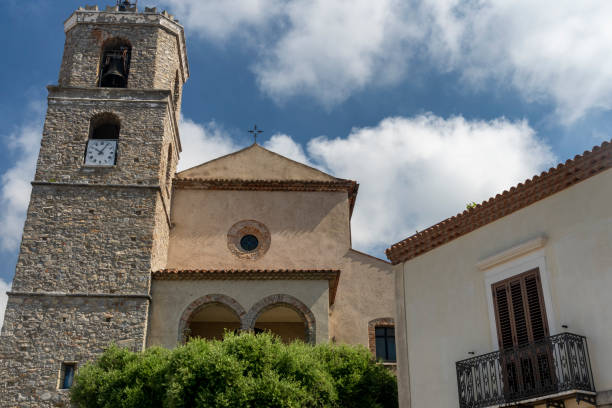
(529, 273)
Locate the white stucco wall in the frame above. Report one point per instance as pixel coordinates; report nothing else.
(445, 294)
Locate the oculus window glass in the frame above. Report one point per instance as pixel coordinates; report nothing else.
(248, 239)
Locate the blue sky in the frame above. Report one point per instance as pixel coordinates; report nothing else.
(428, 104)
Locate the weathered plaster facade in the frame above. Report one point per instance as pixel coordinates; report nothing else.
(306, 214)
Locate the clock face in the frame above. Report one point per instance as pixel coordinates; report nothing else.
(101, 152)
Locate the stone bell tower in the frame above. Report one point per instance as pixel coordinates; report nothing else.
(98, 219)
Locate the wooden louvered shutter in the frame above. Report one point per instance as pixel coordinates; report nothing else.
(504, 328)
(535, 306)
(519, 310)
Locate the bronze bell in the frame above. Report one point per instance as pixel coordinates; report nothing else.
(113, 74)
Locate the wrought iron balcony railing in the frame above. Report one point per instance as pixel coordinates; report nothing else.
(557, 364)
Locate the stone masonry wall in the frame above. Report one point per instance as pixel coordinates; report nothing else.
(93, 234)
(168, 65)
(63, 329)
(87, 239)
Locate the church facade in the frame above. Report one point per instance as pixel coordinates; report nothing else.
(118, 248)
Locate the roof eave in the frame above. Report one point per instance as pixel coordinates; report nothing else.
(557, 179)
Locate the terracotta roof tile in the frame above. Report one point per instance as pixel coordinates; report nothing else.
(573, 171)
(331, 275)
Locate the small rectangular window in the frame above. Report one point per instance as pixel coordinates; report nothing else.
(385, 343)
(67, 375)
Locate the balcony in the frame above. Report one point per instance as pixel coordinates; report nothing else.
(551, 370)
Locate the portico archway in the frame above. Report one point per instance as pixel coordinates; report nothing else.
(210, 316)
(283, 322)
(284, 316)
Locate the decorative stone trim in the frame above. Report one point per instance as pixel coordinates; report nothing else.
(514, 252)
(204, 301)
(246, 274)
(89, 295)
(248, 227)
(94, 185)
(265, 185)
(289, 301)
(532, 190)
(372, 324)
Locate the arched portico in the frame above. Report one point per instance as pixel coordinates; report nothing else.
(278, 309)
(216, 311)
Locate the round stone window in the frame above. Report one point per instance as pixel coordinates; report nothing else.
(248, 239)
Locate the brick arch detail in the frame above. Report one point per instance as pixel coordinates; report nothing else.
(380, 322)
(199, 303)
(289, 301)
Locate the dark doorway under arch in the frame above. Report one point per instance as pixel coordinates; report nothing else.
(212, 320)
(282, 321)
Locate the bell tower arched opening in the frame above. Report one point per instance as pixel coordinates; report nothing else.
(115, 63)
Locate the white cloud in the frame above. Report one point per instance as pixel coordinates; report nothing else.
(286, 146)
(551, 50)
(221, 18)
(415, 172)
(327, 49)
(23, 144)
(334, 48)
(548, 50)
(202, 143)
(4, 287)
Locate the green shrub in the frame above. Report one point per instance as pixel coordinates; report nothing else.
(244, 370)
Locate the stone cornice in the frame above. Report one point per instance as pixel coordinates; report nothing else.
(113, 94)
(76, 295)
(92, 185)
(245, 274)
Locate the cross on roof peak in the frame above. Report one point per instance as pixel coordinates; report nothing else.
(255, 132)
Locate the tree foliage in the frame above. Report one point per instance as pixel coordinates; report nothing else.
(243, 370)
